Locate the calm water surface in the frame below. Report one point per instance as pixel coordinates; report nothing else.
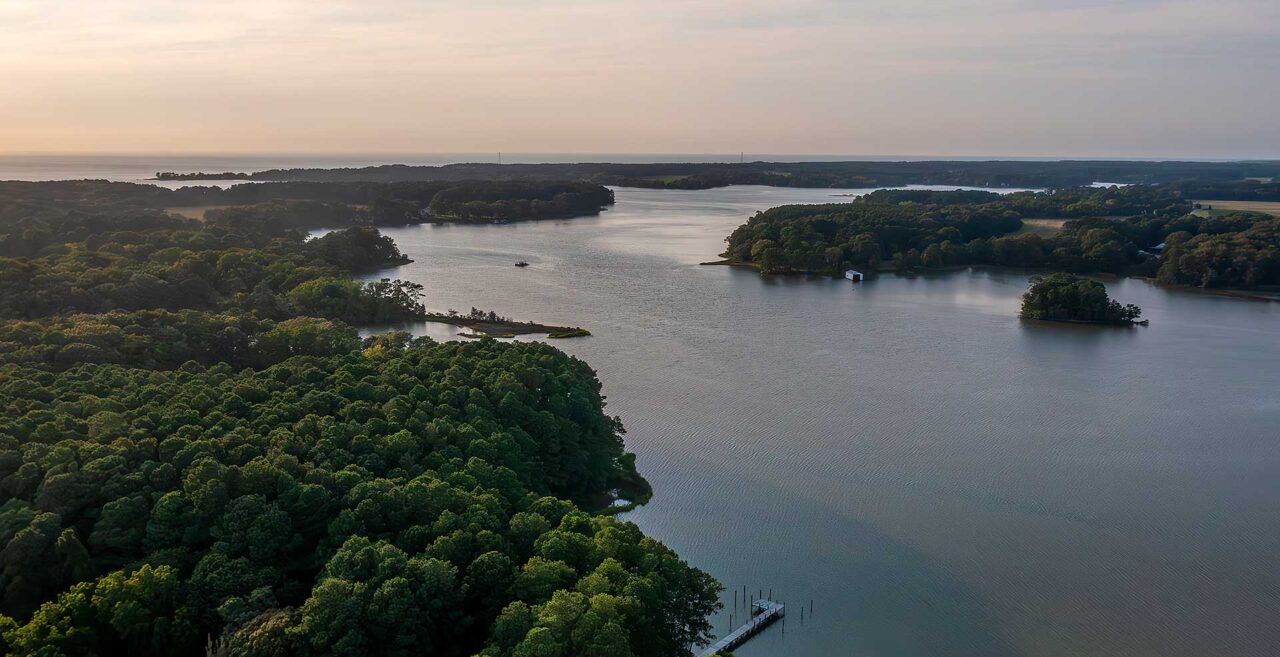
(938, 477)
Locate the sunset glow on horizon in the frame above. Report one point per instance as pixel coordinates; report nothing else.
(1150, 78)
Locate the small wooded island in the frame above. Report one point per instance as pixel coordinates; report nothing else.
(1068, 298)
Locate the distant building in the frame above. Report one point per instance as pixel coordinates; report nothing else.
(854, 275)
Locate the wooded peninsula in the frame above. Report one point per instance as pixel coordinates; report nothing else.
(1140, 230)
(308, 205)
(199, 454)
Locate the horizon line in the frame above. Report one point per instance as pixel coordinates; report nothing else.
(756, 157)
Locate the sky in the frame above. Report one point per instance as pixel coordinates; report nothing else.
(1028, 78)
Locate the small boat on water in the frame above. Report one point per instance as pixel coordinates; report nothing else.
(522, 264)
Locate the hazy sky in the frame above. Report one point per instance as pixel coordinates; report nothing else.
(903, 77)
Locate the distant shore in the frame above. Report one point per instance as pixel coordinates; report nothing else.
(824, 173)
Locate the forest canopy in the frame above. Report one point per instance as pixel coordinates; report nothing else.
(417, 499)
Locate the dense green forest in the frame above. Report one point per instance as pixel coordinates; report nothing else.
(1115, 230)
(159, 261)
(197, 452)
(505, 201)
(1246, 257)
(407, 501)
(1069, 298)
(162, 339)
(674, 175)
(306, 204)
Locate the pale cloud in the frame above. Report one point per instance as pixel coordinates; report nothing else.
(1015, 77)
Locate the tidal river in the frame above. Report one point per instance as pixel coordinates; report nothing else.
(938, 477)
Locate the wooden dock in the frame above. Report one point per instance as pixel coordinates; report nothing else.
(763, 613)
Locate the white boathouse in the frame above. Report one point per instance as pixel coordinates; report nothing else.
(853, 275)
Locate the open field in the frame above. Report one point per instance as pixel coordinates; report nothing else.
(1041, 227)
(1268, 207)
(194, 211)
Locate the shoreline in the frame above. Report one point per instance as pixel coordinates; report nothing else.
(1235, 293)
(738, 263)
(1084, 322)
(506, 328)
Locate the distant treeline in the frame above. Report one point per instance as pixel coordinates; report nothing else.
(1143, 230)
(806, 174)
(100, 249)
(311, 204)
(225, 175)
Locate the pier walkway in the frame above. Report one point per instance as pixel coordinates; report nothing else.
(763, 613)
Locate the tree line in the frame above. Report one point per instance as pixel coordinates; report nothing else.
(1140, 229)
(31, 210)
(851, 174)
(178, 265)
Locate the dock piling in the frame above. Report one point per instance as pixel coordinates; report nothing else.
(769, 612)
